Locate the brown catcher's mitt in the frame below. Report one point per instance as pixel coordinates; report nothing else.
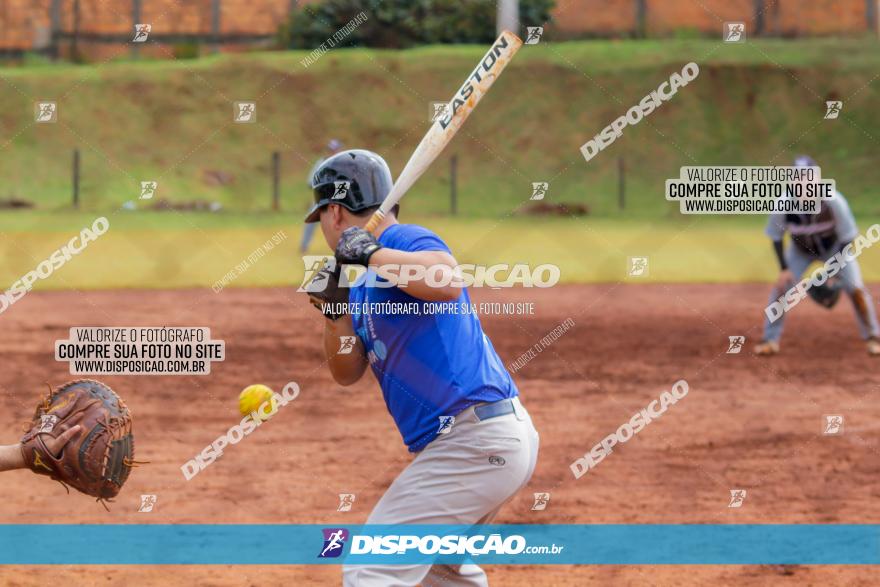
(99, 458)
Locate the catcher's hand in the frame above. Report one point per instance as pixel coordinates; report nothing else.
(55, 444)
(326, 294)
(81, 436)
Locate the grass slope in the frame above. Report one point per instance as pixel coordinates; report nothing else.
(756, 103)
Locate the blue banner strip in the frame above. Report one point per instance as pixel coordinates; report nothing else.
(616, 544)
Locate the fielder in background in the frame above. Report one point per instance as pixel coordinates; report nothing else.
(818, 237)
(333, 147)
(447, 390)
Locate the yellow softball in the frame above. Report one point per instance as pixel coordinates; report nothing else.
(252, 397)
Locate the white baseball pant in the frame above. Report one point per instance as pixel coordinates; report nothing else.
(452, 481)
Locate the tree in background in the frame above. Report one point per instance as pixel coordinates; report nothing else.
(404, 23)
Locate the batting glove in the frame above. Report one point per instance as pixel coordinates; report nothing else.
(356, 246)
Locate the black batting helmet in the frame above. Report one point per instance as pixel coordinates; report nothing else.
(356, 179)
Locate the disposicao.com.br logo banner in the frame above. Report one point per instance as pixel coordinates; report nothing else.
(523, 544)
(428, 544)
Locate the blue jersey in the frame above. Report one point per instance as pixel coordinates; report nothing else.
(429, 364)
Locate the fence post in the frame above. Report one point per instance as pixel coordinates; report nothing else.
(507, 16)
(135, 20)
(215, 25)
(276, 181)
(76, 178)
(55, 20)
(453, 184)
(759, 17)
(74, 44)
(871, 15)
(870, 20)
(621, 183)
(641, 18)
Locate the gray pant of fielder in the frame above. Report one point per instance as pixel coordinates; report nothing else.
(453, 481)
(851, 279)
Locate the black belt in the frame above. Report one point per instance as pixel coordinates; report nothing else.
(494, 410)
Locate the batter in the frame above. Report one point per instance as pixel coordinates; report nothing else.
(447, 390)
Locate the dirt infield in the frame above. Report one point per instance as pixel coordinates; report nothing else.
(747, 423)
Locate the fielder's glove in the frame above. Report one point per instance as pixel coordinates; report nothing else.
(96, 461)
(356, 246)
(326, 294)
(827, 294)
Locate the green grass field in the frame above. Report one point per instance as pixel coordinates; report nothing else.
(163, 250)
(753, 104)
